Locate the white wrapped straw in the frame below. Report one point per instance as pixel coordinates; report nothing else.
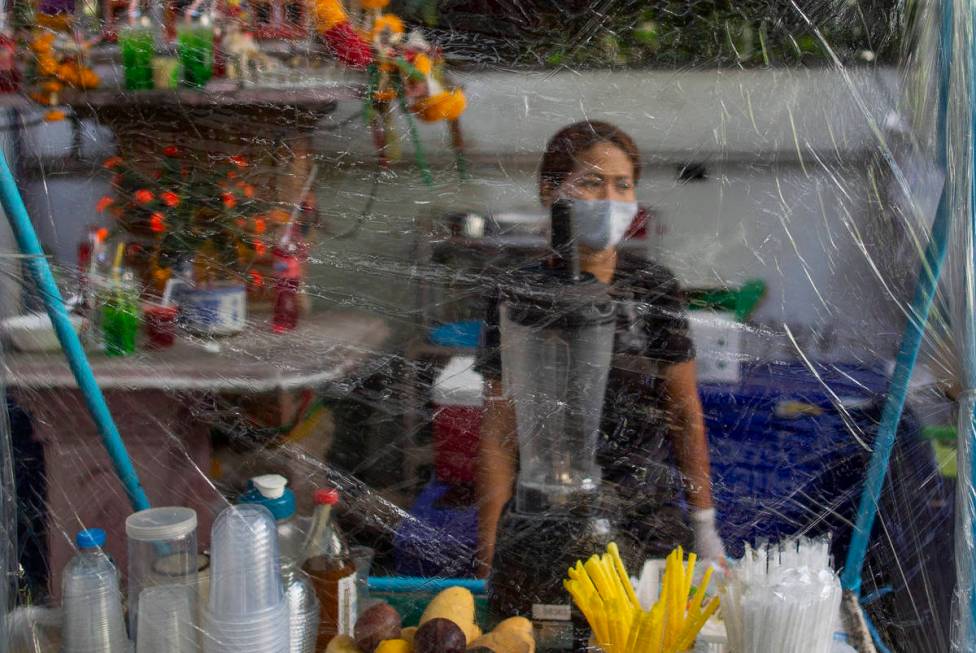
(782, 597)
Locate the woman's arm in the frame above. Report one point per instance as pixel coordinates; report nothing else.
(688, 432)
(691, 450)
(496, 470)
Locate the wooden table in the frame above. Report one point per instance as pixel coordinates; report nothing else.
(152, 396)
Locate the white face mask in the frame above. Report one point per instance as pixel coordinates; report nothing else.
(602, 223)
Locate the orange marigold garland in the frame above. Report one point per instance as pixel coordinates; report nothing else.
(403, 69)
(53, 68)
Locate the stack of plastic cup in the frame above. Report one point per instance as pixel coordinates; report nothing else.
(166, 620)
(247, 610)
(160, 539)
(303, 609)
(92, 601)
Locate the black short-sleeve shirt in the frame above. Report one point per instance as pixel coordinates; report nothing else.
(651, 333)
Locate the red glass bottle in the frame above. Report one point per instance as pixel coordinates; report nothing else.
(288, 277)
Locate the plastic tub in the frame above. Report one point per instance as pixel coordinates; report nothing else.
(459, 406)
(162, 544)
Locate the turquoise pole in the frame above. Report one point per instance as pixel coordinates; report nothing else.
(27, 240)
(918, 315)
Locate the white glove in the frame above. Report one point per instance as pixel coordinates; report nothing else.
(708, 544)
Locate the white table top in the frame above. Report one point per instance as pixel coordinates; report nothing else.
(326, 347)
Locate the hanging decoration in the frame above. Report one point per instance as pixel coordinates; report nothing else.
(404, 71)
(56, 65)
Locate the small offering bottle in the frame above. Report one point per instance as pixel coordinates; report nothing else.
(288, 277)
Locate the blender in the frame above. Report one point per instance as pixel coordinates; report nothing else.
(557, 332)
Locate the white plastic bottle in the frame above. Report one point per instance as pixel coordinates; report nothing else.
(91, 599)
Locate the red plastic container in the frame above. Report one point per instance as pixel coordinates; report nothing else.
(459, 407)
(160, 324)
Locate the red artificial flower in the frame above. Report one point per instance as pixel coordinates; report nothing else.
(171, 151)
(112, 162)
(170, 199)
(104, 203)
(101, 235)
(238, 161)
(232, 175)
(248, 190)
(143, 196)
(229, 200)
(157, 223)
(349, 46)
(257, 278)
(260, 248)
(260, 226)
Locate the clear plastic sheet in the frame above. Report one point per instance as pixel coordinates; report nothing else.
(794, 157)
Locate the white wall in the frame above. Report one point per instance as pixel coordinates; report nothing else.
(762, 213)
(703, 114)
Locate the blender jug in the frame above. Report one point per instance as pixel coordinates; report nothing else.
(557, 342)
(557, 327)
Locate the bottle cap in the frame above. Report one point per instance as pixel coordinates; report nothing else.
(271, 486)
(326, 496)
(269, 491)
(90, 538)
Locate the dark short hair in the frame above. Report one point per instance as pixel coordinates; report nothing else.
(563, 150)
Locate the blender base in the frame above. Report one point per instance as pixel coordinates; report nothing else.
(532, 554)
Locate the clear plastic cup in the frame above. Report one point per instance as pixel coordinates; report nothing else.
(166, 620)
(245, 573)
(160, 539)
(268, 633)
(303, 609)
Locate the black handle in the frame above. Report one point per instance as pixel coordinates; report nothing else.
(563, 240)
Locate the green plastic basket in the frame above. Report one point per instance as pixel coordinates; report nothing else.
(410, 596)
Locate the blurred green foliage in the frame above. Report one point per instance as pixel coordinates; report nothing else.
(663, 33)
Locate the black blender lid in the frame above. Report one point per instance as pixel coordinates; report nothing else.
(540, 299)
(558, 295)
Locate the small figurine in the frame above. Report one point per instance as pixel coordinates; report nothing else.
(244, 59)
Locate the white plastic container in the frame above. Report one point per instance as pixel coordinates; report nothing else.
(718, 346)
(35, 332)
(162, 544)
(458, 408)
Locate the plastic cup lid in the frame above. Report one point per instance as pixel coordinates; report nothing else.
(161, 524)
(326, 496)
(90, 538)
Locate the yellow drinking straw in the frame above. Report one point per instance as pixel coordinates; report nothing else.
(602, 591)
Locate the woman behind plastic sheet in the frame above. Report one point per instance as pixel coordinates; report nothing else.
(653, 446)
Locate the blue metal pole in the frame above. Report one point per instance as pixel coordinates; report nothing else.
(918, 314)
(23, 230)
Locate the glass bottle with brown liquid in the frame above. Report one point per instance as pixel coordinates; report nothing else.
(332, 570)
